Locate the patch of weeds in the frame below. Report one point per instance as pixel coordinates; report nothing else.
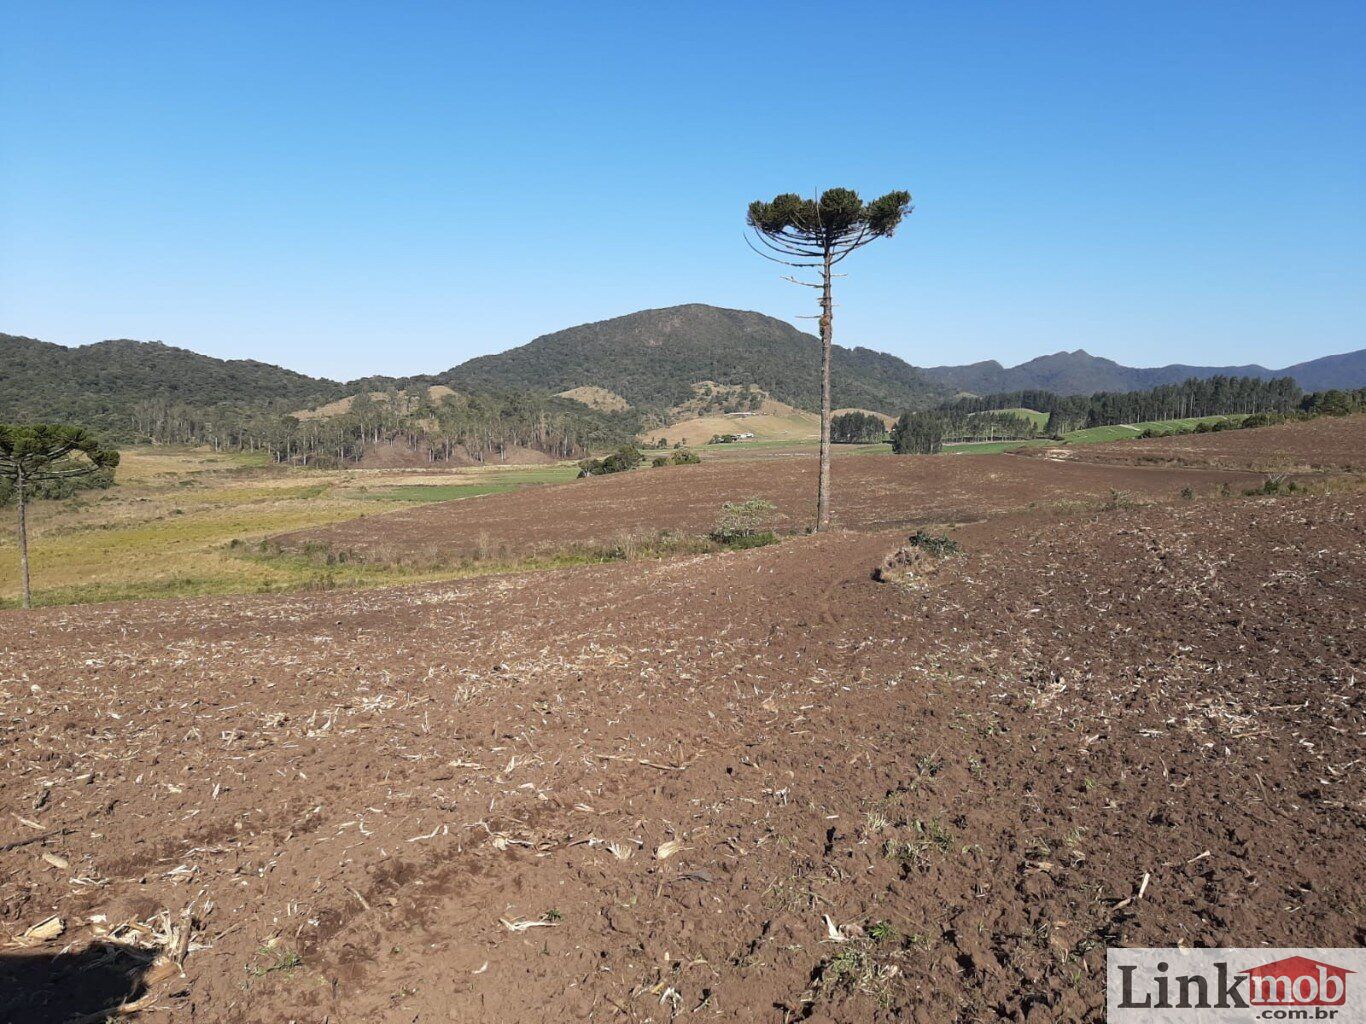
(876, 821)
(1119, 500)
(852, 967)
(884, 931)
(919, 557)
(867, 964)
(929, 835)
(1273, 485)
(745, 524)
(282, 962)
(934, 832)
(552, 915)
(934, 544)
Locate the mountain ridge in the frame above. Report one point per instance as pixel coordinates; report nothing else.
(651, 358)
(1078, 372)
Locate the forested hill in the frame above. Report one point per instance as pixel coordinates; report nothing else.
(1080, 373)
(652, 359)
(99, 384)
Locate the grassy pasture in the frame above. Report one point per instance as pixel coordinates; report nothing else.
(991, 447)
(1120, 432)
(187, 522)
(1039, 419)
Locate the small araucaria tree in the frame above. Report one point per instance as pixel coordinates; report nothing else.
(41, 453)
(817, 234)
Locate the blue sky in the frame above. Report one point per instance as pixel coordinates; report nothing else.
(351, 188)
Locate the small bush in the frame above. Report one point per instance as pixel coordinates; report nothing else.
(659, 460)
(1119, 499)
(619, 461)
(681, 458)
(1273, 485)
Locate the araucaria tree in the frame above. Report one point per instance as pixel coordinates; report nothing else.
(817, 234)
(31, 456)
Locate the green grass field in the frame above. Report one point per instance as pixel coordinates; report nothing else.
(188, 522)
(1040, 419)
(1090, 435)
(496, 481)
(991, 447)
(1097, 435)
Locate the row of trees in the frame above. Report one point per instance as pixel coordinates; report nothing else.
(1199, 396)
(857, 427)
(997, 417)
(482, 426)
(924, 433)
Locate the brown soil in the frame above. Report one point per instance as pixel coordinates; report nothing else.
(1327, 442)
(350, 791)
(869, 493)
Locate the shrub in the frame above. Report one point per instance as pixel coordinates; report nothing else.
(1273, 485)
(682, 458)
(618, 462)
(659, 460)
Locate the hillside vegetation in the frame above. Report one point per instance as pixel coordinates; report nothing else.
(653, 358)
(98, 385)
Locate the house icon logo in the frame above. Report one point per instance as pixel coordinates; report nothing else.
(1235, 985)
(1297, 981)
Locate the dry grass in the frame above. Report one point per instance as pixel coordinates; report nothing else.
(180, 521)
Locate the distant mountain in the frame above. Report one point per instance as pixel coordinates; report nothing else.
(1080, 373)
(652, 359)
(1343, 371)
(97, 384)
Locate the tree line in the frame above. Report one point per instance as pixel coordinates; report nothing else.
(481, 426)
(991, 417)
(1207, 396)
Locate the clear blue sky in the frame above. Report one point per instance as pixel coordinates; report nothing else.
(351, 188)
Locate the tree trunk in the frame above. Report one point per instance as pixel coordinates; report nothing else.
(23, 542)
(827, 335)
